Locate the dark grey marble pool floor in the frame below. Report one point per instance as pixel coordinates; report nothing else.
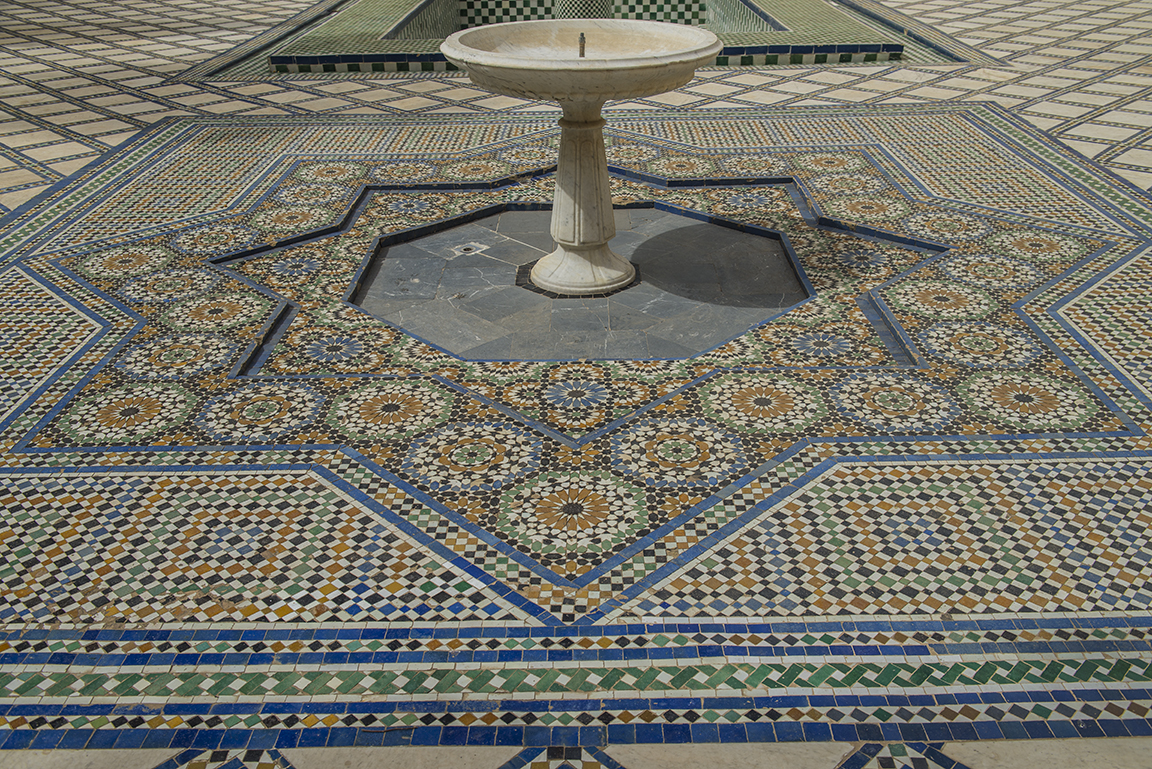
(700, 285)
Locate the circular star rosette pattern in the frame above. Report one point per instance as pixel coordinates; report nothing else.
(169, 286)
(894, 403)
(329, 171)
(679, 453)
(390, 410)
(829, 161)
(174, 357)
(1039, 245)
(866, 262)
(295, 219)
(847, 184)
(564, 515)
(991, 270)
(680, 166)
(126, 262)
(576, 394)
(755, 165)
(980, 345)
(946, 226)
(821, 344)
(127, 415)
(261, 412)
(408, 171)
(1026, 401)
(296, 265)
(216, 312)
(334, 349)
(423, 206)
(938, 299)
(530, 156)
(473, 456)
(312, 194)
(214, 239)
(870, 209)
(477, 169)
(752, 403)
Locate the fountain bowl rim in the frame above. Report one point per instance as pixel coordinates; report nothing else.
(460, 53)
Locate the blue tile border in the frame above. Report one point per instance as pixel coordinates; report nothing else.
(916, 735)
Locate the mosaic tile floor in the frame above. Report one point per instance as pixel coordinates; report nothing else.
(903, 522)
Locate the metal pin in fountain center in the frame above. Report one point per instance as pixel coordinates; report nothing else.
(581, 45)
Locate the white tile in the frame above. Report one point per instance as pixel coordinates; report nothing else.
(1136, 157)
(812, 755)
(406, 757)
(412, 103)
(84, 759)
(1118, 753)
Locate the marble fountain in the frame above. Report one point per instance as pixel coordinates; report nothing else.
(582, 63)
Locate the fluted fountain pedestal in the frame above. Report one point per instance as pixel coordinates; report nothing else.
(622, 59)
(582, 219)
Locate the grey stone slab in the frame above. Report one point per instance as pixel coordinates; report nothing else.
(639, 216)
(539, 240)
(500, 304)
(514, 223)
(705, 327)
(622, 218)
(624, 345)
(498, 349)
(579, 319)
(489, 222)
(516, 252)
(403, 251)
(597, 305)
(449, 327)
(538, 317)
(536, 345)
(663, 348)
(755, 267)
(493, 274)
(621, 317)
(654, 301)
(663, 223)
(579, 344)
(625, 243)
(389, 308)
(481, 259)
(406, 278)
(678, 273)
(442, 243)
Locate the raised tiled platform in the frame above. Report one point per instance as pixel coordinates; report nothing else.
(233, 584)
(246, 515)
(397, 35)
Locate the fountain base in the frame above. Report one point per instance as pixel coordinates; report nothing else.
(576, 271)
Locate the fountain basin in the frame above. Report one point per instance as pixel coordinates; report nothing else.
(624, 59)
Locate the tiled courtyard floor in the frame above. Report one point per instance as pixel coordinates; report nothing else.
(900, 522)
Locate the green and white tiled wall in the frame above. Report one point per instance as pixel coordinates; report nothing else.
(393, 35)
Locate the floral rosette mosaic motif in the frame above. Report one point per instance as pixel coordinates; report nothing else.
(573, 481)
